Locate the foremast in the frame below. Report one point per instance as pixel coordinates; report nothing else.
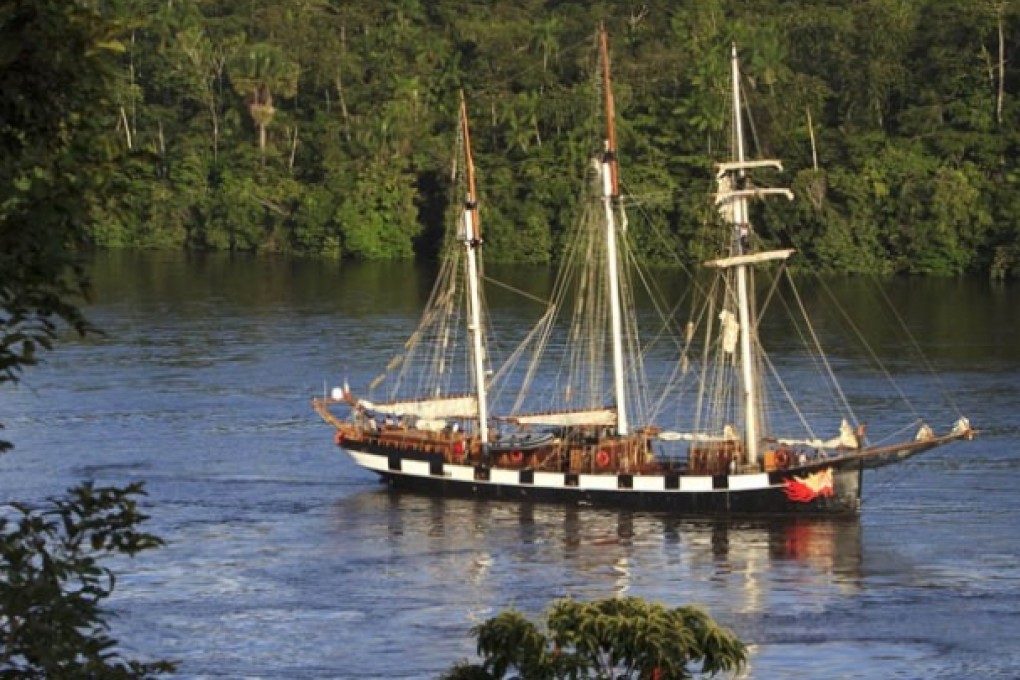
(472, 240)
(610, 198)
(733, 198)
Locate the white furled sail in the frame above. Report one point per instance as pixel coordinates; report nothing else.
(444, 407)
(845, 440)
(753, 258)
(599, 417)
(730, 331)
(670, 436)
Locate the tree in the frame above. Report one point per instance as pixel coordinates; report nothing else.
(613, 638)
(545, 40)
(258, 72)
(377, 219)
(56, 67)
(366, 83)
(52, 584)
(207, 61)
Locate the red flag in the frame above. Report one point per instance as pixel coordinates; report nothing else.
(806, 489)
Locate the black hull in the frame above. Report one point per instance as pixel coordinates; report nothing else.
(722, 495)
(709, 504)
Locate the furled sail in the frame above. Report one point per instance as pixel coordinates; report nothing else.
(600, 417)
(729, 434)
(443, 407)
(846, 439)
(730, 331)
(753, 258)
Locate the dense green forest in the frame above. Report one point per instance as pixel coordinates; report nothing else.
(327, 126)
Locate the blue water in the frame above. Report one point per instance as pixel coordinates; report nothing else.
(285, 561)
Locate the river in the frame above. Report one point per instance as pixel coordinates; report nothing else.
(285, 561)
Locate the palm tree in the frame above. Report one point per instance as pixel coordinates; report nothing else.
(259, 72)
(545, 40)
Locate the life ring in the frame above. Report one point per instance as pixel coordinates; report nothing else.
(782, 458)
(338, 438)
(602, 459)
(516, 457)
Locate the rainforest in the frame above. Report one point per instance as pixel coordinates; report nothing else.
(326, 127)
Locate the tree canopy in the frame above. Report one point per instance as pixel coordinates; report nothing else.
(323, 127)
(56, 64)
(625, 637)
(57, 59)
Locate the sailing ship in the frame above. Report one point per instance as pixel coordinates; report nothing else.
(583, 430)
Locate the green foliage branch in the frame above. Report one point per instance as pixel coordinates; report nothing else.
(614, 638)
(53, 584)
(55, 63)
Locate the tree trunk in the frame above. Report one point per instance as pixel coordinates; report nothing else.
(127, 127)
(811, 133)
(215, 130)
(343, 106)
(293, 148)
(340, 86)
(1002, 67)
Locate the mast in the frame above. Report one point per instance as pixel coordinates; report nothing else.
(732, 198)
(471, 237)
(610, 195)
(741, 228)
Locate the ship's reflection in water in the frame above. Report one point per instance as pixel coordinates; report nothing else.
(485, 556)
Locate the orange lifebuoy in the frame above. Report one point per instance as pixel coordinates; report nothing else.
(782, 458)
(602, 459)
(338, 438)
(516, 457)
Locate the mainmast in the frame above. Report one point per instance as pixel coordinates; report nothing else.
(471, 237)
(732, 198)
(610, 196)
(741, 225)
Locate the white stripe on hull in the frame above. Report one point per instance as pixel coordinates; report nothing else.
(743, 482)
(649, 483)
(552, 480)
(603, 482)
(558, 480)
(696, 484)
(508, 477)
(369, 461)
(462, 473)
(418, 468)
